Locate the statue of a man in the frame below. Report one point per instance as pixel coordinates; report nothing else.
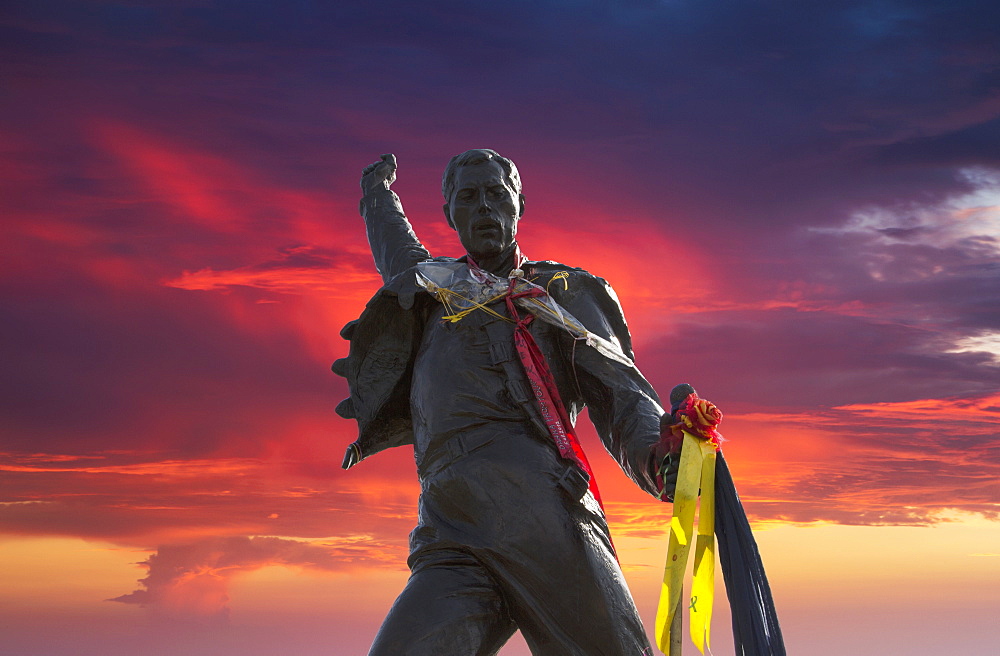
(483, 364)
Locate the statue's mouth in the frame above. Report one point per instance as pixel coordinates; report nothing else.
(488, 225)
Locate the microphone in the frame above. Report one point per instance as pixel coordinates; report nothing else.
(678, 394)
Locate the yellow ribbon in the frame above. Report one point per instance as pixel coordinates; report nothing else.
(696, 470)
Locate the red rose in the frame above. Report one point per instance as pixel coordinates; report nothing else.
(700, 417)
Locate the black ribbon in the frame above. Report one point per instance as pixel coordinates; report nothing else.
(755, 621)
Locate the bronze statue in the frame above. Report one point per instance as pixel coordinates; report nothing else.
(483, 364)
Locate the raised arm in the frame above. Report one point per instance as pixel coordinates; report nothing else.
(394, 245)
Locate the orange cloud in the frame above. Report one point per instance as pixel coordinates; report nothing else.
(906, 463)
(887, 463)
(193, 468)
(980, 415)
(330, 281)
(138, 500)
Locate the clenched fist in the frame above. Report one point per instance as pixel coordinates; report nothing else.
(379, 175)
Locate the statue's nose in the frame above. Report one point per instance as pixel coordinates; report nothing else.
(484, 204)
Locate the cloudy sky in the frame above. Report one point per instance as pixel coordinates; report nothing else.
(797, 202)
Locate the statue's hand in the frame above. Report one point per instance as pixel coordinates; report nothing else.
(379, 175)
(666, 458)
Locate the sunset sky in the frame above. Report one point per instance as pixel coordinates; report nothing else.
(798, 204)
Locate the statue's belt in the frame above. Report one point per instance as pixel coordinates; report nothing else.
(572, 478)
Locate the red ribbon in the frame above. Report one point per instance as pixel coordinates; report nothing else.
(543, 385)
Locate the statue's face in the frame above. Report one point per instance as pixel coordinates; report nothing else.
(484, 209)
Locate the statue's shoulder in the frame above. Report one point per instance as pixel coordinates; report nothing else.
(548, 272)
(545, 269)
(548, 266)
(583, 294)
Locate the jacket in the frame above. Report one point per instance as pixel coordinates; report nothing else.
(384, 341)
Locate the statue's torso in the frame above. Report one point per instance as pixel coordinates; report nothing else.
(456, 388)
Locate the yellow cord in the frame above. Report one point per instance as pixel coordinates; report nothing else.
(562, 275)
(446, 295)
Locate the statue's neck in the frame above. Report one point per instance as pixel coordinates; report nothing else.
(500, 264)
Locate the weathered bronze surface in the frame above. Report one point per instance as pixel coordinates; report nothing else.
(508, 537)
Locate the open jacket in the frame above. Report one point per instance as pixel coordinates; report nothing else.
(384, 341)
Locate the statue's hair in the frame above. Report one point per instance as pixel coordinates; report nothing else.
(473, 158)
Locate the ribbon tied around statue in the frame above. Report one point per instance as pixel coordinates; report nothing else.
(696, 429)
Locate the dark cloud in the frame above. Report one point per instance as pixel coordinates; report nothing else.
(190, 581)
(89, 374)
(795, 359)
(733, 101)
(975, 145)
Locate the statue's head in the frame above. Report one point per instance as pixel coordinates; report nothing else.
(483, 201)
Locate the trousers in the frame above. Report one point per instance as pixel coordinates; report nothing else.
(502, 546)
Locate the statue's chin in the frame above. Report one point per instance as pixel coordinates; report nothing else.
(489, 250)
(479, 255)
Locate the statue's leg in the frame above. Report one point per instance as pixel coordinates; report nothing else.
(566, 591)
(450, 606)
